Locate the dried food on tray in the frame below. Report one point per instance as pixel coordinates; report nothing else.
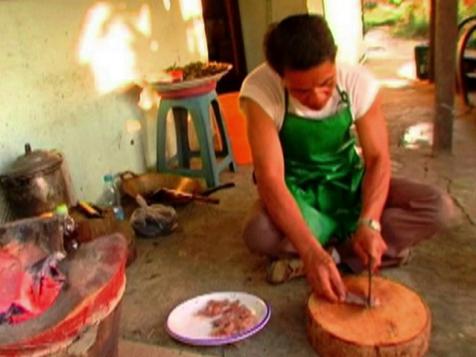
(192, 75)
(198, 69)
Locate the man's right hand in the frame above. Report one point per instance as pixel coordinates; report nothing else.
(323, 275)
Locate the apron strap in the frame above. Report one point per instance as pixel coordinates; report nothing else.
(286, 101)
(344, 98)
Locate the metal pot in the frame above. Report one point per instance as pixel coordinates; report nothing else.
(34, 184)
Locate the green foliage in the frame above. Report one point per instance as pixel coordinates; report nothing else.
(465, 11)
(415, 22)
(382, 15)
(370, 5)
(396, 2)
(410, 18)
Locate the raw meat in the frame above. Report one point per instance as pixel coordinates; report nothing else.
(229, 317)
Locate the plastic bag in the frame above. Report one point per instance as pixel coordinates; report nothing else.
(155, 220)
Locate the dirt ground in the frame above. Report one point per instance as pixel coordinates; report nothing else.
(207, 254)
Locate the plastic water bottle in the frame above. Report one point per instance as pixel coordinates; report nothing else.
(70, 241)
(111, 197)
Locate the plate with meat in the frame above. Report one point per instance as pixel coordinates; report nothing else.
(218, 318)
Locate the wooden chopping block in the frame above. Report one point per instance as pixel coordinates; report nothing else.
(399, 326)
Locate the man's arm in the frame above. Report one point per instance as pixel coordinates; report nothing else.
(373, 139)
(280, 205)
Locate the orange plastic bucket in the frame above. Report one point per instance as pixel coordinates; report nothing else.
(236, 125)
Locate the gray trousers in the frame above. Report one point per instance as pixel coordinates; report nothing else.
(413, 212)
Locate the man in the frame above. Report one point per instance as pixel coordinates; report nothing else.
(315, 190)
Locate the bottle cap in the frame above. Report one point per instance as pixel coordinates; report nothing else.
(62, 210)
(108, 178)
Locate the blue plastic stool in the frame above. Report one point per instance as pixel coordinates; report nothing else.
(198, 108)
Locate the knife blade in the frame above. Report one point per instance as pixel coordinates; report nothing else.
(355, 299)
(369, 289)
(361, 300)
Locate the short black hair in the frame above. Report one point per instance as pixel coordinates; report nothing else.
(299, 42)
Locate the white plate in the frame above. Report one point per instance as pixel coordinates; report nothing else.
(185, 325)
(171, 86)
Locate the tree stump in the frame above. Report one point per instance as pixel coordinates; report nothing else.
(399, 326)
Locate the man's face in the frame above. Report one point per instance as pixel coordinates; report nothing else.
(312, 87)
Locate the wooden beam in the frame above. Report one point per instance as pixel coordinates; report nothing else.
(446, 33)
(431, 57)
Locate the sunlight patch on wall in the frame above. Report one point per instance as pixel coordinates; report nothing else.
(345, 22)
(166, 4)
(143, 21)
(196, 38)
(190, 9)
(106, 44)
(148, 98)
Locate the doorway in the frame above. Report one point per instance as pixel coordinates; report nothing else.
(225, 40)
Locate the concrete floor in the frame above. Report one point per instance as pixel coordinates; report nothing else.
(206, 253)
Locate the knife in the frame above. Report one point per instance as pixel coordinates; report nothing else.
(369, 289)
(361, 300)
(355, 299)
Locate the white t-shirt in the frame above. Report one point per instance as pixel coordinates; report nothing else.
(265, 87)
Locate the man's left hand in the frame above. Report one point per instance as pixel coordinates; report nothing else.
(367, 243)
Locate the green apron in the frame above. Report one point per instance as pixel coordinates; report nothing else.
(323, 171)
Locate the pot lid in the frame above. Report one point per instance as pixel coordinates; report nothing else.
(34, 161)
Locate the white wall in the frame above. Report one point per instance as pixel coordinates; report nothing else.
(51, 99)
(345, 20)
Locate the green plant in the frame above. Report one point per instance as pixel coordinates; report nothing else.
(396, 2)
(370, 5)
(466, 9)
(382, 15)
(415, 22)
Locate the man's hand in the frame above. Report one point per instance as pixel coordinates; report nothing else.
(323, 275)
(367, 243)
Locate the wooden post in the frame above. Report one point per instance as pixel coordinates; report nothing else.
(446, 33)
(431, 57)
